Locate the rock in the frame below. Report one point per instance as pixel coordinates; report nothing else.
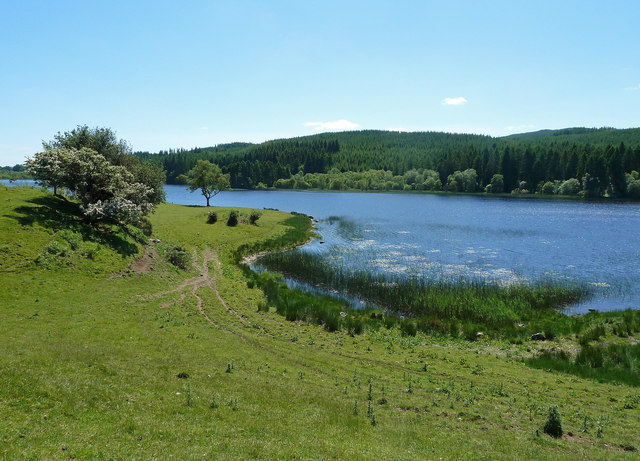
(321, 242)
(479, 334)
(538, 337)
(591, 309)
(521, 325)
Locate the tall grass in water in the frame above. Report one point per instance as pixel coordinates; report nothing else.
(432, 300)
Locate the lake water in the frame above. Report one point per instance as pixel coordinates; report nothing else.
(505, 240)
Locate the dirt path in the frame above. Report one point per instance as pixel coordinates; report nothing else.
(207, 280)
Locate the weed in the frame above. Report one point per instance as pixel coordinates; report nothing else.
(214, 401)
(189, 397)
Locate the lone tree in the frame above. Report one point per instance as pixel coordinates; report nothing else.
(111, 184)
(208, 178)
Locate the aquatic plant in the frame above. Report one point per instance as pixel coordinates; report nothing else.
(434, 301)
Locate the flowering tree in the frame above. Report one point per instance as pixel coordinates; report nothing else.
(50, 168)
(106, 192)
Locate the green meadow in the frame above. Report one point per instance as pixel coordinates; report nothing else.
(108, 350)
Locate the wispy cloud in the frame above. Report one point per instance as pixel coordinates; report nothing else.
(633, 88)
(519, 127)
(337, 125)
(459, 101)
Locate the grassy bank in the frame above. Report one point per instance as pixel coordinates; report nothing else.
(127, 356)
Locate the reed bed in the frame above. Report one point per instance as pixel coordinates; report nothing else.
(447, 305)
(470, 299)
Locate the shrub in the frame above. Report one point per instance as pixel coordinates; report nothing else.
(253, 217)
(212, 218)
(145, 226)
(570, 187)
(179, 257)
(590, 356)
(232, 221)
(408, 327)
(553, 426)
(549, 330)
(71, 238)
(592, 334)
(548, 188)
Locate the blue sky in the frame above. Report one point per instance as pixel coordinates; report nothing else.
(187, 74)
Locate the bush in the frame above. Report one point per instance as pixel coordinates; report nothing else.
(592, 334)
(253, 217)
(145, 226)
(179, 257)
(212, 218)
(548, 188)
(590, 356)
(408, 328)
(232, 221)
(553, 426)
(570, 187)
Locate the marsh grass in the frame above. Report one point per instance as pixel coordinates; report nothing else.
(432, 304)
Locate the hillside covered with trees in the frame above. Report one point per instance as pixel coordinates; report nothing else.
(590, 162)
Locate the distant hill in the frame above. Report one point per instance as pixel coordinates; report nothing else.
(595, 136)
(526, 160)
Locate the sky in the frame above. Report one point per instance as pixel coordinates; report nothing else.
(165, 74)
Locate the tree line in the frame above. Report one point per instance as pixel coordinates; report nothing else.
(586, 161)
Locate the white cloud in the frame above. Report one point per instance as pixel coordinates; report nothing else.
(454, 101)
(337, 125)
(519, 127)
(633, 88)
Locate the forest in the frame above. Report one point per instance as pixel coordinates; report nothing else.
(591, 162)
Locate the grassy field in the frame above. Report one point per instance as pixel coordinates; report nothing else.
(111, 352)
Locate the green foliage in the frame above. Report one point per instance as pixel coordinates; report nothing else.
(179, 257)
(481, 306)
(253, 217)
(424, 161)
(232, 220)
(548, 188)
(617, 363)
(145, 226)
(593, 334)
(553, 425)
(208, 178)
(111, 184)
(14, 173)
(212, 217)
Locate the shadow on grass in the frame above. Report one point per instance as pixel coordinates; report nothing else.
(56, 213)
